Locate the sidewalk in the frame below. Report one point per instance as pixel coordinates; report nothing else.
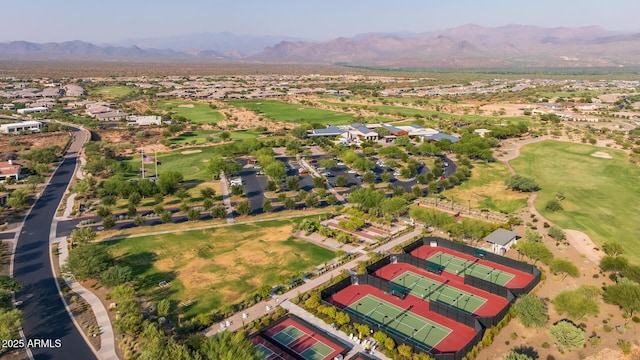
(107, 339)
(237, 320)
(226, 198)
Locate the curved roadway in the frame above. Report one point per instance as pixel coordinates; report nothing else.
(45, 316)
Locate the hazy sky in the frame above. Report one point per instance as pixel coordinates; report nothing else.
(115, 20)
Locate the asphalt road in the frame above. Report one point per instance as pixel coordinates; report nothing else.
(45, 316)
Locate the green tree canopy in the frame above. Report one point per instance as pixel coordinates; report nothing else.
(564, 267)
(625, 294)
(228, 345)
(578, 303)
(522, 183)
(531, 311)
(88, 262)
(567, 335)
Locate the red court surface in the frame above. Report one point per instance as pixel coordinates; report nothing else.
(305, 341)
(278, 354)
(520, 279)
(491, 307)
(459, 337)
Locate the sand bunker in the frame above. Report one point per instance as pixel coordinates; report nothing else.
(187, 152)
(601, 154)
(190, 106)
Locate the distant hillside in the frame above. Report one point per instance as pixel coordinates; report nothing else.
(468, 46)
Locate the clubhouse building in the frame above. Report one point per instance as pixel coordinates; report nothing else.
(356, 133)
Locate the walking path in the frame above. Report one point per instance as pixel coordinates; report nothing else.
(225, 197)
(107, 339)
(308, 317)
(258, 310)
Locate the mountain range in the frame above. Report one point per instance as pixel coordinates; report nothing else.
(468, 46)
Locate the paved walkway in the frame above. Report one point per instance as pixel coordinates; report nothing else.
(308, 317)
(107, 340)
(225, 197)
(237, 320)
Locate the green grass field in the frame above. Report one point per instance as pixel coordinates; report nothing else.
(602, 196)
(198, 113)
(193, 166)
(218, 266)
(280, 111)
(486, 189)
(198, 137)
(111, 91)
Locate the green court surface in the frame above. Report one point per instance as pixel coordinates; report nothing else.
(424, 288)
(459, 266)
(317, 351)
(401, 322)
(264, 350)
(288, 335)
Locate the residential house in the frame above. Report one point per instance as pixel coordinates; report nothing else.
(9, 169)
(144, 120)
(21, 126)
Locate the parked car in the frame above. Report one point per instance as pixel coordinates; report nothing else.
(327, 174)
(313, 161)
(396, 174)
(340, 163)
(352, 172)
(322, 168)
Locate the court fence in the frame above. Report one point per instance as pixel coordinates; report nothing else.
(498, 259)
(435, 306)
(340, 342)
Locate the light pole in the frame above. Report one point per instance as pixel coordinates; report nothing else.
(469, 206)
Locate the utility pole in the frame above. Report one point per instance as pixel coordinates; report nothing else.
(142, 161)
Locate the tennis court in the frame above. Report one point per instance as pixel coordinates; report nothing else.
(426, 288)
(459, 266)
(401, 322)
(297, 340)
(268, 354)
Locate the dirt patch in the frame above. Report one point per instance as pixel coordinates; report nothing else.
(189, 106)
(165, 264)
(189, 152)
(601, 154)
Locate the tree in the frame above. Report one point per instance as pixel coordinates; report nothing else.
(342, 318)
(564, 267)
(164, 307)
(116, 275)
(522, 353)
(139, 220)
(531, 311)
(271, 185)
(404, 350)
(266, 205)
(135, 198)
(417, 191)
(522, 183)
(237, 190)
(311, 200)
(18, 199)
(193, 214)
(275, 170)
(369, 177)
(225, 135)
(168, 182)
(166, 217)
(341, 181)
(362, 329)
(553, 205)
(243, 208)
(207, 204)
(613, 248)
(289, 203)
(536, 251)
(182, 194)
(10, 324)
(207, 193)
(614, 263)
(578, 303)
(131, 210)
(319, 182)
(219, 211)
(293, 183)
(82, 236)
(227, 345)
(556, 233)
(103, 211)
(88, 262)
(625, 294)
(567, 335)
(385, 177)
(109, 221)
(332, 199)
